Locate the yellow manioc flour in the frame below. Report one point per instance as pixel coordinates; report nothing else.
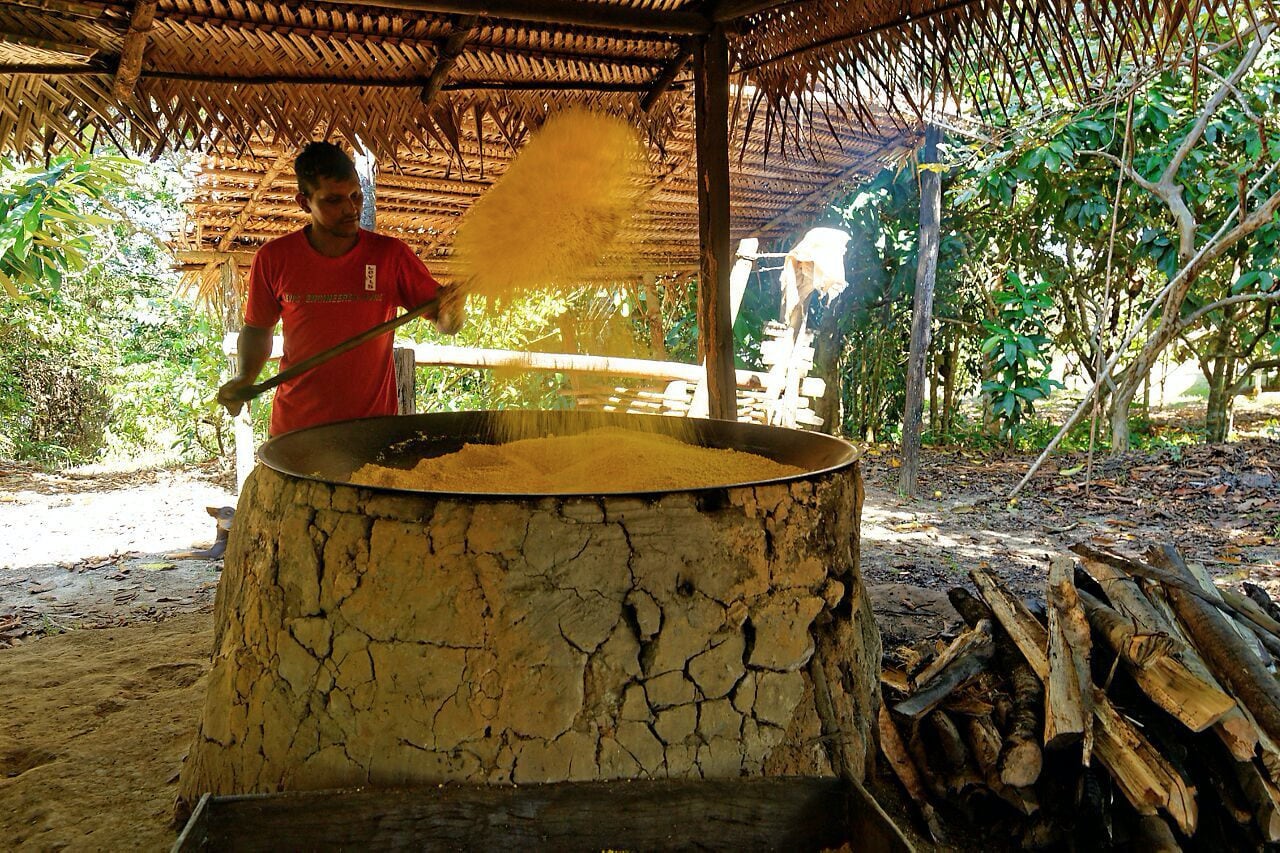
(556, 210)
(599, 461)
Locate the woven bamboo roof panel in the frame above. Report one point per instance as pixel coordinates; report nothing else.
(244, 199)
(228, 75)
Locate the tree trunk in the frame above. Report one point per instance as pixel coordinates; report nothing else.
(828, 345)
(1217, 417)
(922, 314)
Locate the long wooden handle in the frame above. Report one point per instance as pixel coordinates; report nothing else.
(250, 391)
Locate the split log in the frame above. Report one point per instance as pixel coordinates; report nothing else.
(896, 680)
(1146, 779)
(1126, 638)
(1187, 582)
(1265, 797)
(895, 751)
(1260, 597)
(1021, 759)
(1195, 702)
(1265, 629)
(961, 774)
(968, 706)
(1230, 658)
(984, 742)
(1068, 698)
(1235, 731)
(967, 655)
(1250, 634)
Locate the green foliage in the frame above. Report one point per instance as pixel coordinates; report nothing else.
(98, 353)
(1018, 349)
(47, 217)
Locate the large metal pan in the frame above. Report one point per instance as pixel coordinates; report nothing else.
(330, 453)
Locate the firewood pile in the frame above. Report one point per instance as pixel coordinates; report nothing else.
(1138, 709)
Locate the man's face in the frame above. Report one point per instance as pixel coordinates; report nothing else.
(334, 206)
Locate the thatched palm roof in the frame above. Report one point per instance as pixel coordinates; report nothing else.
(244, 199)
(227, 74)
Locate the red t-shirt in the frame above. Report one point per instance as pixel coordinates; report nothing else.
(324, 301)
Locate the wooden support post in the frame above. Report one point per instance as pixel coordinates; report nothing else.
(367, 172)
(700, 405)
(242, 440)
(921, 314)
(406, 380)
(715, 321)
(447, 57)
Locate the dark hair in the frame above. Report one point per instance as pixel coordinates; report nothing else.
(321, 160)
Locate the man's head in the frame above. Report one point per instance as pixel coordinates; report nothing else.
(329, 189)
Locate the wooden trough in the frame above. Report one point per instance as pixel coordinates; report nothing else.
(791, 814)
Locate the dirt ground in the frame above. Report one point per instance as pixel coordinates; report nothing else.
(94, 723)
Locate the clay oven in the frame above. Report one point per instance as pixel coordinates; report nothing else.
(376, 637)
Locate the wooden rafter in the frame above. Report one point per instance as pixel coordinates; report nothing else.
(804, 207)
(562, 12)
(135, 42)
(448, 57)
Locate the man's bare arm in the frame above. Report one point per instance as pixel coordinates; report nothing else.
(253, 348)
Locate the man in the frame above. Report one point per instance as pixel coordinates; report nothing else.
(329, 282)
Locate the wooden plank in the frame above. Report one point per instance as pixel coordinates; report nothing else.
(758, 813)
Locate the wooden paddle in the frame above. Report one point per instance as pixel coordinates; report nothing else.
(248, 392)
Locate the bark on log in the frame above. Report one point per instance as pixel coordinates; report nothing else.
(961, 774)
(1265, 629)
(1230, 658)
(984, 741)
(1155, 836)
(895, 751)
(1260, 597)
(1138, 647)
(1194, 701)
(1188, 583)
(1068, 696)
(967, 655)
(1236, 731)
(1265, 797)
(1021, 759)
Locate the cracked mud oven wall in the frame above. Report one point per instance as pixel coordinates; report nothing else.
(367, 638)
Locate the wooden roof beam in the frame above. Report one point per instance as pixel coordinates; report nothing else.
(662, 82)
(448, 57)
(263, 187)
(135, 42)
(732, 10)
(557, 12)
